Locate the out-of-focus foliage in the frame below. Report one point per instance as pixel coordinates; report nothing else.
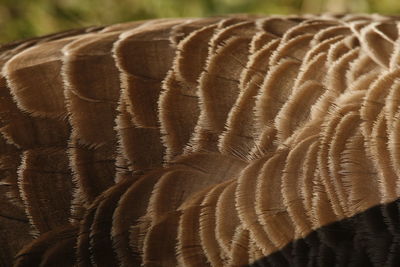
(24, 18)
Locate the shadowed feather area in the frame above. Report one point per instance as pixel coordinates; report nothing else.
(225, 141)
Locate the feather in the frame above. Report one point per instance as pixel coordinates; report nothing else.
(226, 141)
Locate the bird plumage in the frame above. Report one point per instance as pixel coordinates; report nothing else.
(223, 141)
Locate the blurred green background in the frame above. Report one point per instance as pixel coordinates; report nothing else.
(25, 18)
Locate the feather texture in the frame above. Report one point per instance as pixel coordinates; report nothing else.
(226, 141)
